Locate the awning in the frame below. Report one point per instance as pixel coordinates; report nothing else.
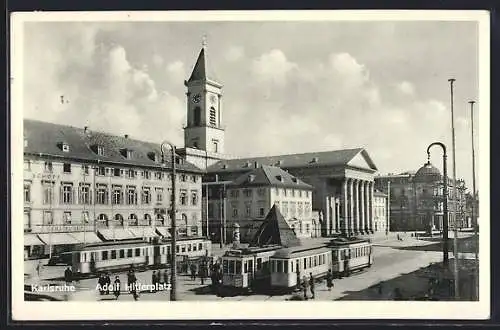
(86, 237)
(163, 231)
(143, 232)
(31, 240)
(116, 234)
(58, 239)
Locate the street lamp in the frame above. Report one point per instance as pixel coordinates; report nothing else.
(445, 198)
(474, 222)
(173, 290)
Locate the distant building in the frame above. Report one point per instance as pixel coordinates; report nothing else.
(380, 211)
(416, 200)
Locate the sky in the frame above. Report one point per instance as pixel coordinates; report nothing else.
(289, 87)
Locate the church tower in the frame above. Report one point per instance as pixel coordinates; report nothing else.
(204, 132)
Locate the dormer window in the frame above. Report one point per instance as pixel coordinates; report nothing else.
(98, 149)
(127, 153)
(63, 146)
(280, 178)
(251, 178)
(153, 156)
(295, 180)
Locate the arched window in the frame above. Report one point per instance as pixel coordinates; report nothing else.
(102, 219)
(133, 220)
(213, 117)
(147, 218)
(183, 225)
(197, 116)
(160, 220)
(119, 219)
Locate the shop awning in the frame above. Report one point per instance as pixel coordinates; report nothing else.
(31, 240)
(116, 234)
(143, 232)
(58, 239)
(163, 231)
(86, 237)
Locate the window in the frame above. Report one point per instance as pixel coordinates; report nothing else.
(261, 212)
(48, 218)
(194, 198)
(234, 193)
(113, 254)
(101, 171)
(183, 177)
(215, 144)
(137, 252)
(27, 193)
(300, 193)
(104, 255)
(100, 150)
(285, 266)
(117, 195)
(261, 192)
(159, 195)
(247, 192)
(122, 253)
(48, 192)
(146, 195)
(48, 167)
(85, 217)
(183, 197)
(307, 227)
(194, 178)
(131, 196)
(131, 174)
(284, 192)
(84, 194)
(102, 194)
(129, 253)
(248, 208)
(67, 193)
(235, 212)
(158, 175)
(67, 218)
(116, 172)
(293, 192)
(27, 165)
(213, 118)
(85, 169)
(66, 168)
(147, 175)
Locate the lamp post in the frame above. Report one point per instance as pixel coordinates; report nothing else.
(454, 199)
(474, 222)
(173, 290)
(445, 198)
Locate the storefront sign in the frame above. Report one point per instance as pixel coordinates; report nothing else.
(65, 228)
(44, 176)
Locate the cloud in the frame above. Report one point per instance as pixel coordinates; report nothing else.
(176, 71)
(273, 67)
(234, 53)
(157, 60)
(406, 88)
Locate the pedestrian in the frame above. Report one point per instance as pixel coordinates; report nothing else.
(116, 287)
(133, 281)
(304, 287)
(101, 282)
(161, 277)
(193, 271)
(39, 268)
(154, 280)
(297, 278)
(329, 280)
(346, 267)
(68, 274)
(107, 280)
(201, 274)
(311, 284)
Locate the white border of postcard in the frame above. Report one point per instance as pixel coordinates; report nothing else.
(198, 310)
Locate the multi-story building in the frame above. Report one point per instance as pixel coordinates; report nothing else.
(86, 186)
(416, 200)
(380, 212)
(248, 198)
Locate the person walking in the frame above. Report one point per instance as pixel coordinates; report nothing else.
(133, 282)
(346, 267)
(107, 281)
(193, 271)
(311, 284)
(304, 287)
(329, 280)
(116, 287)
(297, 278)
(38, 268)
(201, 274)
(154, 280)
(68, 274)
(101, 282)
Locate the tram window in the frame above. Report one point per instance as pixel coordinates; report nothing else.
(183, 248)
(194, 247)
(285, 266)
(259, 263)
(305, 264)
(104, 255)
(189, 247)
(200, 246)
(122, 253)
(245, 267)
(309, 262)
(225, 266)
(129, 253)
(168, 249)
(250, 266)
(238, 267)
(113, 254)
(291, 266)
(137, 252)
(177, 248)
(231, 267)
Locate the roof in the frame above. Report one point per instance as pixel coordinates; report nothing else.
(275, 230)
(269, 176)
(202, 70)
(44, 139)
(297, 252)
(427, 173)
(310, 159)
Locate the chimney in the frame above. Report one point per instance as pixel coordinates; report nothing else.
(126, 136)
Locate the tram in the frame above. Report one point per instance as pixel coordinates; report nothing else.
(107, 256)
(350, 254)
(244, 269)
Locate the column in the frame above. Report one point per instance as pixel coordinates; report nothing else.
(356, 206)
(344, 227)
(367, 206)
(362, 205)
(351, 207)
(337, 205)
(371, 208)
(333, 215)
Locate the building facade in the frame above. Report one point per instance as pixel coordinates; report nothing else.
(416, 200)
(82, 186)
(380, 212)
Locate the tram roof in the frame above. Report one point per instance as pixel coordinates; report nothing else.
(250, 250)
(300, 251)
(341, 241)
(124, 243)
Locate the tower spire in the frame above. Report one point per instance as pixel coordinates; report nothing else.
(204, 41)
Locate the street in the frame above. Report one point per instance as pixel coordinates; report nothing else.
(389, 263)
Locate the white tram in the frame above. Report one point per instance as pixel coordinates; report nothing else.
(354, 253)
(94, 258)
(245, 268)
